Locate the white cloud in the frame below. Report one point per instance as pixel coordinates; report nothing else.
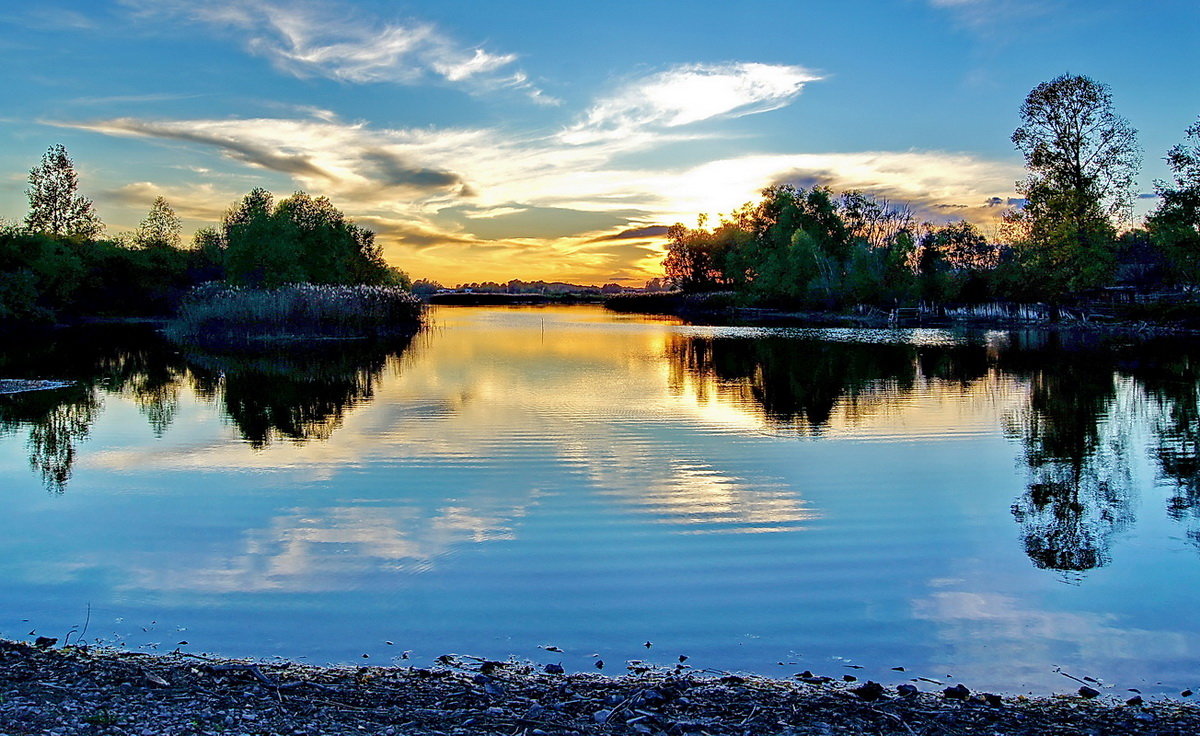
(400, 181)
(330, 40)
(690, 94)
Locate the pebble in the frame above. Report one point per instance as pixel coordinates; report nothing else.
(227, 703)
(1088, 692)
(868, 691)
(554, 669)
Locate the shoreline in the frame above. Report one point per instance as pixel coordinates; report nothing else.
(88, 690)
(717, 310)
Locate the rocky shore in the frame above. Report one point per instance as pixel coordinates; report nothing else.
(77, 690)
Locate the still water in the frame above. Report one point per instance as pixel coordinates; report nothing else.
(992, 508)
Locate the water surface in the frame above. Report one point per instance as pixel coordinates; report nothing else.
(991, 508)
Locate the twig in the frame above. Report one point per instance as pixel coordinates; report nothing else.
(753, 710)
(896, 717)
(1073, 677)
(251, 668)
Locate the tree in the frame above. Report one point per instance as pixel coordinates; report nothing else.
(1175, 225)
(259, 250)
(300, 239)
(951, 259)
(54, 206)
(690, 263)
(1082, 158)
(161, 228)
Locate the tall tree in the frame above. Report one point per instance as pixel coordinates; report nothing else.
(1082, 158)
(54, 206)
(260, 249)
(1175, 224)
(161, 228)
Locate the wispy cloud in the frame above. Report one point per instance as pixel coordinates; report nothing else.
(689, 94)
(983, 15)
(47, 17)
(204, 203)
(332, 40)
(550, 206)
(133, 99)
(329, 156)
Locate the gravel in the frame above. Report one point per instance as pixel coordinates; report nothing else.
(77, 690)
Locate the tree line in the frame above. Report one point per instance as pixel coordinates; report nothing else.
(57, 264)
(1073, 235)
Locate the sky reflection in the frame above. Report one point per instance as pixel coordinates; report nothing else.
(989, 504)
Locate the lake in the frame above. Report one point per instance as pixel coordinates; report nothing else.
(1002, 509)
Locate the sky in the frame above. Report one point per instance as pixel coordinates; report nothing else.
(556, 141)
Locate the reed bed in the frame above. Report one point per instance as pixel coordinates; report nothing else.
(229, 315)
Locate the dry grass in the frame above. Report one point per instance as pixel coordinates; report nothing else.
(226, 315)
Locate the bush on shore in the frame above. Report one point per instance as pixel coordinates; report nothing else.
(218, 314)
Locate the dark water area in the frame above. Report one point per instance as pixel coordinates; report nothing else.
(995, 508)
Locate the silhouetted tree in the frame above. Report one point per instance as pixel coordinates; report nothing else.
(54, 206)
(695, 259)
(161, 228)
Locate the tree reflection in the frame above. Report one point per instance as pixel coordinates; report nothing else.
(1079, 493)
(1075, 450)
(300, 394)
(799, 383)
(58, 420)
(1173, 383)
(96, 361)
(796, 383)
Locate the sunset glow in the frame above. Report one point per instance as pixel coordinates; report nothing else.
(500, 143)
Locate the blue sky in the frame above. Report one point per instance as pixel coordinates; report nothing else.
(548, 140)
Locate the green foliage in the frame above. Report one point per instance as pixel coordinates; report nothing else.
(302, 239)
(54, 267)
(1082, 158)
(54, 207)
(1175, 225)
(1063, 241)
(38, 274)
(953, 263)
(801, 246)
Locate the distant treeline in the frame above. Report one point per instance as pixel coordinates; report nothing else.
(57, 265)
(426, 287)
(817, 248)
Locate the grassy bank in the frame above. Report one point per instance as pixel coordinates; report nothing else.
(232, 316)
(90, 691)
